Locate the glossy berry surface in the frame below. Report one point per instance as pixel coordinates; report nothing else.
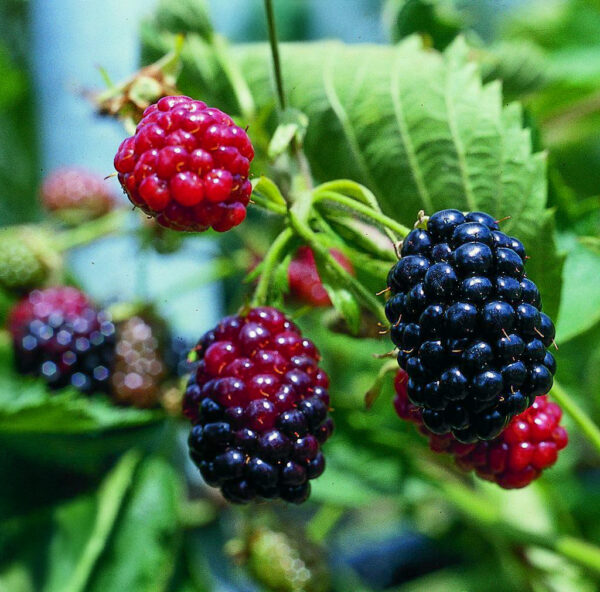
(304, 280)
(187, 165)
(468, 325)
(76, 189)
(139, 366)
(60, 336)
(525, 448)
(259, 404)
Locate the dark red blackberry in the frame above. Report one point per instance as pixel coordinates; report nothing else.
(528, 445)
(60, 336)
(468, 325)
(259, 404)
(304, 280)
(187, 165)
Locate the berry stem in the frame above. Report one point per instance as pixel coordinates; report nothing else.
(302, 161)
(93, 230)
(272, 259)
(577, 414)
(344, 278)
(267, 204)
(363, 210)
(275, 53)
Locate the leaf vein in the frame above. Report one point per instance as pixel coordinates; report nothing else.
(411, 154)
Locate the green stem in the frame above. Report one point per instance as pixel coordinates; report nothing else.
(577, 414)
(268, 204)
(301, 160)
(196, 514)
(363, 210)
(90, 231)
(482, 513)
(275, 53)
(270, 262)
(477, 508)
(323, 521)
(343, 277)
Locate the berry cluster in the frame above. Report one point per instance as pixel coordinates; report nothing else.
(259, 404)
(73, 189)
(304, 280)
(529, 444)
(138, 367)
(187, 165)
(59, 335)
(468, 326)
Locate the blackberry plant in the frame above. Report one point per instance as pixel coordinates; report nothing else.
(327, 152)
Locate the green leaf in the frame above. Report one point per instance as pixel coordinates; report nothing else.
(83, 527)
(142, 552)
(545, 266)
(580, 308)
(292, 126)
(185, 17)
(591, 242)
(269, 190)
(438, 20)
(520, 65)
(67, 427)
(346, 304)
(124, 538)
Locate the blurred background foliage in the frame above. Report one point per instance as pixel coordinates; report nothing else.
(98, 498)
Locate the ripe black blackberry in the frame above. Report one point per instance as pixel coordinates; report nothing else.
(259, 404)
(468, 325)
(60, 336)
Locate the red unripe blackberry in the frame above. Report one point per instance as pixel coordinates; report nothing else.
(468, 325)
(527, 446)
(60, 336)
(187, 165)
(304, 280)
(74, 193)
(259, 404)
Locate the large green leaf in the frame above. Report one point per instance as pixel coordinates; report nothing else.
(581, 296)
(415, 126)
(67, 427)
(124, 538)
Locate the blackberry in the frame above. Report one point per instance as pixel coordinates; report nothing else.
(468, 325)
(513, 459)
(187, 165)
(138, 368)
(259, 404)
(60, 336)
